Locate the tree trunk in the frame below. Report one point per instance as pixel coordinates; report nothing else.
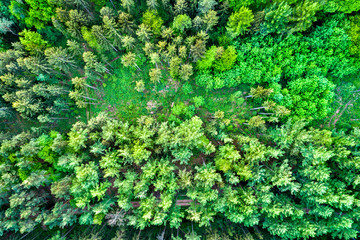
(266, 113)
(137, 67)
(11, 31)
(89, 98)
(91, 87)
(257, 108)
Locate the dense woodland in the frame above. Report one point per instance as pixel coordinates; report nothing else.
(179, 119)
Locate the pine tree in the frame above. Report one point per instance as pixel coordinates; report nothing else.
(101, 38)
(5, 26)
(144, 33)
(81, 83)
(198, 50)
(206, 5)
(129, 59)
(59, 58)
(77, 19)
(277, 18)
(180, 7)
(75, 48)
(186, 71)
(152, 4)
(112, 32)
(127, 4)
(128, 42)
(210, 20)
(107, 12)
(304, 14)
(125, 23)
(155, 75)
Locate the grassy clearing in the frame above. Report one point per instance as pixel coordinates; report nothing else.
(118, 95)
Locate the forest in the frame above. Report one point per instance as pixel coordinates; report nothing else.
(179, 119)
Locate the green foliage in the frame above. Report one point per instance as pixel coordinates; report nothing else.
(207, 61)
(181, 23)
(277, 18)
(226, 60)
(35, 13)
(346, 6)
(354, 34)
(309, 98)
(304, 14)
(269, 60)
(32, 41)
(236, 5)
(154, 182)
(206, 132)
(239, 22)
(153, 20)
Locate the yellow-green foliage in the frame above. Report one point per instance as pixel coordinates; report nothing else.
(354, 34)
(153, 20)
(32, 41)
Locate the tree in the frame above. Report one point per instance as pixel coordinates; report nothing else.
(153, 21)
(175, 66)
(152, 4)
(128, 42)
(180, 7)
(260, 92)
(346, 6)
(35, 64)
(183, 52)
(125, 23)
(210, 19)
(304, 14)
(140, 86)
(35, 13)
(129, 59)
(127, 4)
(277, 18)
(82, 3)
(182, 22)
(112, 30)
(155, 75)
(5, 26)
(32, 41)
(107, 12)
(167, 33)
(144, 33)
(226, 158)
(310, 98)
(186, 71)
(92, 64)
(198, 50)
(354, 33)
(81, 83)
(206, 5)
(59, 58)
(75, 48)
(155, 59)
(148, 48)
(226, 60)
(239, 22)
(76, 22)
(25, 104)
(100, 36)
(207, 61)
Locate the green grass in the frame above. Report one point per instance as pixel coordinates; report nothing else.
(120, 97)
